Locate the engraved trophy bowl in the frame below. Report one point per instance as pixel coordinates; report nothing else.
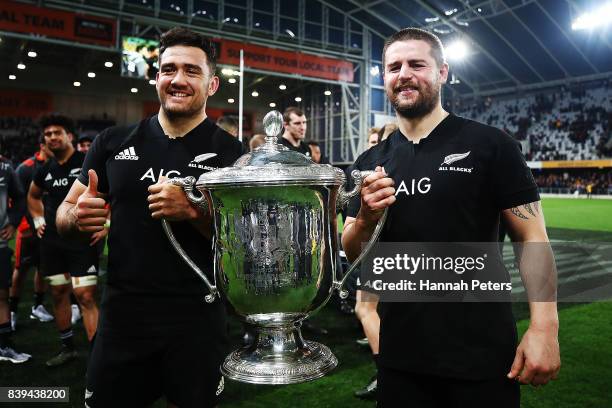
(275, 246)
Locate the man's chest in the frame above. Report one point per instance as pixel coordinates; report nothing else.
(137, 166)
(449, 175)
(58, 178)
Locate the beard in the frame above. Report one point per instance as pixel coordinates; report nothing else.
(425, 103)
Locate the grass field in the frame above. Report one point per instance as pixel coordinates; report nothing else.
(585, 338)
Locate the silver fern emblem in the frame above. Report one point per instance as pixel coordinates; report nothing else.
(204, 156)
(451, 158)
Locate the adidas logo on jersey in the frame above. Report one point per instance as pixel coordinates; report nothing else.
(49, 177)
(127, 154)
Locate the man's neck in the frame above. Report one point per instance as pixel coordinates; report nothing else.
(291, 139)
(62, 157)
(416, 129)
(179, 127)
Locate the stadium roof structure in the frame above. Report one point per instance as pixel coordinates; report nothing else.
(515, 44)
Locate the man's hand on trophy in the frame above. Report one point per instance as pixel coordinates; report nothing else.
(90, 210)
(169, 201)
(377, 193)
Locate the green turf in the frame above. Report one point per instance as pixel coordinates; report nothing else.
(578, 214)
(585, 338)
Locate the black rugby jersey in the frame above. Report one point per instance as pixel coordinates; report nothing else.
(10, 188)
(147, 281)
(55, 180)
(450, 187)
(301, 148)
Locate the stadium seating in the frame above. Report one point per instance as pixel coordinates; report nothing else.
(562, 125)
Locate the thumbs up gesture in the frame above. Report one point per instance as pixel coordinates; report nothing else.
(90, 210)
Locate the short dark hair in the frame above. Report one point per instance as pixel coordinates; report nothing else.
(312, 143)
(292, 109)
(413, 33)
(56, 119)
(182, 36)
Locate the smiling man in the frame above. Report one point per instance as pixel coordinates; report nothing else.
(157, 336)
(448, 179)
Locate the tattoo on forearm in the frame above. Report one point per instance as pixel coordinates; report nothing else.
(529, 210)
(535, 205)
(518, 213)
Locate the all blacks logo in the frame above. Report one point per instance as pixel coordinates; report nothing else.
(451, 158)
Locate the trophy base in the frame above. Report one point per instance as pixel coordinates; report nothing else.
(279, 355)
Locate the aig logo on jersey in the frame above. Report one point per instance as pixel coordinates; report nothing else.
(452, 158)
(197, 161)
(127, 154)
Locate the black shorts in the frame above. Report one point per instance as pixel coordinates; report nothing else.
(135, 372)
(402, 389)
(58, 258)
(27, 251)
(6, 269)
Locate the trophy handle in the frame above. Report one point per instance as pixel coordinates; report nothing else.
(343, 199)
(345, 196)
(187, 184)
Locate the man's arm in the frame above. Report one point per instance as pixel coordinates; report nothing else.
(83, 211)
(377, 193)
(36, 208)
(537, 358)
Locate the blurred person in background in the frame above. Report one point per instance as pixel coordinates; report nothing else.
(27, 246)
(12, 209)
(294, 122)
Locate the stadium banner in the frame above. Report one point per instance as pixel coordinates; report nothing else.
(29, 19)
(270, 59)
(569, 164)
(24, 103)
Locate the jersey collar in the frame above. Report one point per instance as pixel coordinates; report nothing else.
(447, 128)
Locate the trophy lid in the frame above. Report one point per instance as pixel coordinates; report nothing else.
(272, 164)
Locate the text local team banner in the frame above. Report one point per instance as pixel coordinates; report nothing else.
(270, 59)
(24, 18)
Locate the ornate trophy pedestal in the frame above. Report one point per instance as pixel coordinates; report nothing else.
(279, 355)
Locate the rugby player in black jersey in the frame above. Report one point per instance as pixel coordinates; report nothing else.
(27, 246)
(157, 336)
(68, 266)
(294, 122)
(449, 354)
(10, 215)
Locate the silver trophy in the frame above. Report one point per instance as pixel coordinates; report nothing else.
(275, 248)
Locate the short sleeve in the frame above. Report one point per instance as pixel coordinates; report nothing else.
(96, 160)
(511, 180)
(38, 177)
